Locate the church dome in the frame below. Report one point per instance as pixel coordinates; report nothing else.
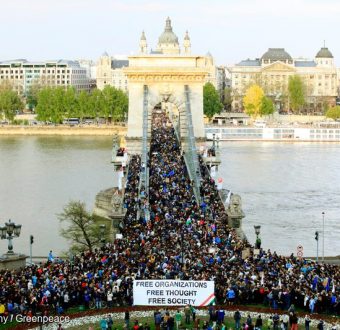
(276, 54)
(168, 36)
(324, 52)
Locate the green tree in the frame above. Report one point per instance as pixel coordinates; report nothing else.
(95, 101)
(296, 92)
(252, 101)
(70, 102)
(211, 100)
(333, 112)
(121, 105)
(32, 95)
(10, 102)
(267, 106)
(227, 98)
(81, 231)
(84, 105)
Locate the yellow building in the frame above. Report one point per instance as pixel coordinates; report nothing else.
(110, 70)
(272, 72)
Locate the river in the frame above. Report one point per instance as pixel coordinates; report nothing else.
(285, 187)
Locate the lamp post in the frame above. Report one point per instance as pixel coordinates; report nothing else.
(10, 231)
(323, 236)
(258, 240)
(317, 246)
(102, 232)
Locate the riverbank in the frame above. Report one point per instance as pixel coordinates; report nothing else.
(64, 130)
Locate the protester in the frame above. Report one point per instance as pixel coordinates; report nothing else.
(182, 239)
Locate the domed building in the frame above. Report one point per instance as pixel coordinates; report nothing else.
(324, 57)
(168, 41)
(272, 71)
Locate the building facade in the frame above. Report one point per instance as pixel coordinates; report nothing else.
(109, 71)
(170, 77)
(22, 74)
(272, 72)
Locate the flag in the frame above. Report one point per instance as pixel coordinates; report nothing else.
(280, 284)
(315, 282)
(333, 289)
(262, 279)
(171, 173)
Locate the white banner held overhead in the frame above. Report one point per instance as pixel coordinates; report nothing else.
(173, 293)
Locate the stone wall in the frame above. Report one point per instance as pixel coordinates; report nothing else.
(62, 130)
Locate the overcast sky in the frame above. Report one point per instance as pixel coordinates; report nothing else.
(231, 30)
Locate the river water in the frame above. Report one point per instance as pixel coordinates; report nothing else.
(284, 188)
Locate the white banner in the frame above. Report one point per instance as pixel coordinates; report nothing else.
(173, 293)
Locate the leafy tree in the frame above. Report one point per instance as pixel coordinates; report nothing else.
(267, 106)
(227, 98)
(211, 100)
(296, 92)
(70, 101)
(333, 112)
(84, 105)
(121, 105)
(32, 95)
(252, 101)
(82, 231)
(96, 108)
(9, 102)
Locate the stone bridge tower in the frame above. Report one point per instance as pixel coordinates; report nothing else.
(165, 71)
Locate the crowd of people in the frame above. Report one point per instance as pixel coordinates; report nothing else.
(181, 239)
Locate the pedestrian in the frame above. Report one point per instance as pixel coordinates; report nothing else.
(320, 325)
(103, 323)
(109, 322)
(187, 313)
(178, 318)
(237, 318)
(127, 319)
(307, 322)
(285, 320)
(270, 323)
(293, 321)
(193, 313)
(258, 323)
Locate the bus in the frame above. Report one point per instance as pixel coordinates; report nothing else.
(71, 121)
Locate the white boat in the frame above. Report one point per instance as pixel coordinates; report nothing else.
(236, 133)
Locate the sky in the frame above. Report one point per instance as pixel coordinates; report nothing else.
(231, 30)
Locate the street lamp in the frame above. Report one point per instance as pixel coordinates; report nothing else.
(317, 246)
(258, 240)
(10, 231)
(102, 232)
(323, 236)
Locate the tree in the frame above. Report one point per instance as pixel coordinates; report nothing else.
(70, 103)
(252, 101)
(211, 100)
(227, 98)
(333, 112)
(267, 106)
(82, 231)
(296, 92)
(10, 102)
(84, 105)
(32, 95)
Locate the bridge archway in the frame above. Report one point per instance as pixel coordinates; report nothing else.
(166, 78)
